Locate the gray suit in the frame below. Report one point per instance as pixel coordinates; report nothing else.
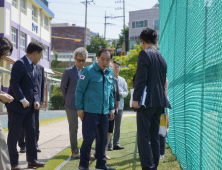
(68, 87)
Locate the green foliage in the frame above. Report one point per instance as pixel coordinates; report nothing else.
(96, 43)
(128, 70)
(120, 41)
(57, 99)
(129, 65)
(55, 62)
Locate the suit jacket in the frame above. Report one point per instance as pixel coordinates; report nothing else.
(40, 82)
(22, 85)
(68, 86)
(151, 72)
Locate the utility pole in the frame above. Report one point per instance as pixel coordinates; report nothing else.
(124, 38)
(86, 3)
(107, 24)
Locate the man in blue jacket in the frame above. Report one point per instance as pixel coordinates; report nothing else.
(95, 105)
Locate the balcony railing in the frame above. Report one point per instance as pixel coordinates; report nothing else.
(23, 10)
(34, 18)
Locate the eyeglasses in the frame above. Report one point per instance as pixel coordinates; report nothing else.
(80, 60)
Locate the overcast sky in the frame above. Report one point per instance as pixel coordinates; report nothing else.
(73, 12)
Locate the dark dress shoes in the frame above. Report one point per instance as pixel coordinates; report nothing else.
(117, 147)
(38, 150)
(22, 150)
(15, 167)
(35, 164)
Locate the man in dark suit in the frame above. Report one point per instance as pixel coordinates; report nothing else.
(68, 87)
(41, 89)
(151, 72)
(23, 88)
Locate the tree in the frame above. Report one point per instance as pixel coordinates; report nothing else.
(97, 42)
(55, 62)
(128, 69)
(129, 65)
(120, 41)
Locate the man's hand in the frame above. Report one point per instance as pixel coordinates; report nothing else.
(36, 105)
(116, 111)
(42, 103)
(135, 105)
(120, 92)
(25, 104)
(6, 98)
(111, 115)
(80, 114)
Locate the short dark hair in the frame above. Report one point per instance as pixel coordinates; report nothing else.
(35, 47)
(105, 50)
(5, 45)
(149, 36)
(117, 62)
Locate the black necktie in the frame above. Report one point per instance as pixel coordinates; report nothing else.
(33, 70)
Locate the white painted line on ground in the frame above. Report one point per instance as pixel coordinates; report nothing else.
(65, 162)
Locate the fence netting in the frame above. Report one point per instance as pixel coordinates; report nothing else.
(191, 42)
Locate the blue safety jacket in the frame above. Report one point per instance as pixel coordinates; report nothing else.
(94, 90)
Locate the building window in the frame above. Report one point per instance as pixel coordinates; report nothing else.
(68, 48)
(23, 6)
(133, 24)
(156, 24)
(14, 3)
(140, 24)
(46, 23)
(145, 23)
(13, 36)
(22, 41)
(46, 53)
(68, 34)
(34, 13)
(41, 18)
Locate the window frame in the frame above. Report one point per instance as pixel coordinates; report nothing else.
(46, 27)
(23, 8)
(140, 21)
(15, 3)
(34, 14)
(46, 53)
(154, 24)
(68, 48)
(134, 24)
(14, 37)
(21, 47)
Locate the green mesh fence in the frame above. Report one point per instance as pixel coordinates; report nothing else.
(191, 42)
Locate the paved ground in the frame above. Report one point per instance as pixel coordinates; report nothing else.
(54, 138)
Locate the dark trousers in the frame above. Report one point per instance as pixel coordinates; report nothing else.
(21, 141)
(148, 122)
(16, 121)
(94, 126)
(162, 145)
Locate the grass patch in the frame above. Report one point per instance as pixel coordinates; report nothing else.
(60, 158)
(61, 70)
(128, 159)
(46, 122)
